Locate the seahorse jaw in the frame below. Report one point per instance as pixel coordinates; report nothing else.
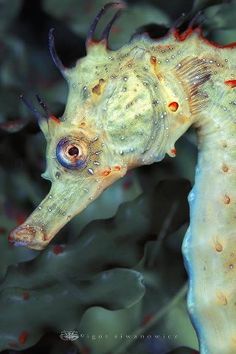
(64, 201)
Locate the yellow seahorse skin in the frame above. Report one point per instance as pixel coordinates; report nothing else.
(127, 108)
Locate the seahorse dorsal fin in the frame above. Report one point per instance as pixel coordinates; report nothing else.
(193, 72)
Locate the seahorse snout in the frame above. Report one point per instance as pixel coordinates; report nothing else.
(26, 235)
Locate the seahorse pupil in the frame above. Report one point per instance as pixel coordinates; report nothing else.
(73, 151)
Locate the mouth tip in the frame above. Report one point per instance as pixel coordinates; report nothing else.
(23, 235)
(16, 243)
(18, 238)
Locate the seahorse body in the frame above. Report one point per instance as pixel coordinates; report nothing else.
(127, 108)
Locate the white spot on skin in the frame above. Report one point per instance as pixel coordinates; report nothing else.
(191, 197)
(90, 170)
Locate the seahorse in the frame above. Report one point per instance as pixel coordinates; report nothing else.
(127, 108)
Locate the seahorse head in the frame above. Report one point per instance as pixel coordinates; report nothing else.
(115, 119)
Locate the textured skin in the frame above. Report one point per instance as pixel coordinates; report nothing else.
(128, 108)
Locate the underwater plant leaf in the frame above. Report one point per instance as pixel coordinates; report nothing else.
(9, 254)
(163, 260)
(9, 10)
(160, 333)
(221, 17)
(60, 306)
(177, 321)
(13, 126)
(104, 244)
(14, 66)
(202, 4)
(106, 205)
(162, 312)
(223, 37)
(111, 325)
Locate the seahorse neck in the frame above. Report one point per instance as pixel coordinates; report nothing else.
(209, 246)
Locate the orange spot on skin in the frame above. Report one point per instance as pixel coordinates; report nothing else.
(55, 119)
(57, 249)
(173, 152)
(222, 298)
(231, 83)
(226, 199)
(153, 60)
(225, 168)
(117, 168)
(97, 89)
(23, 337)
(218, 247)
(45, 237)
(173, 106)
(25, 295)
(106, 172)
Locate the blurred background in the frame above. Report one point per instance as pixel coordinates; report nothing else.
(84, 294)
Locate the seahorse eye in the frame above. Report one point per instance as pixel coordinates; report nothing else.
(71, 153)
